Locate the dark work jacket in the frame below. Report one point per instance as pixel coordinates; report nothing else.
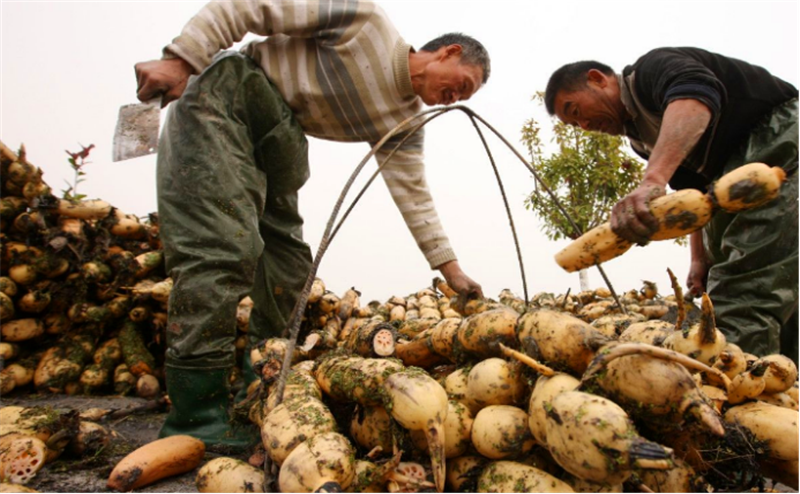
(737, 93)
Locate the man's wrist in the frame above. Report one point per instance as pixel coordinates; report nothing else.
(447, 266)
(655, 179)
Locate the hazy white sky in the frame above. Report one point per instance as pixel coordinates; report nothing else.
(66, 67)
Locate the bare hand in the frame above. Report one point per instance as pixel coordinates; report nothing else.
(467, 288)
(631, 218)
(697, 278)
(165, 78)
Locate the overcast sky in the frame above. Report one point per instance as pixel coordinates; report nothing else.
(66, 68)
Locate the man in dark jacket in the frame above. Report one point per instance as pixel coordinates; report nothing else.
(695, 115)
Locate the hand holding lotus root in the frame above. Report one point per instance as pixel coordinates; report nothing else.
(680, 213)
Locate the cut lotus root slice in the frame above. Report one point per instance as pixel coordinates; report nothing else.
(21, 458)
(383, 343)
(408, 476)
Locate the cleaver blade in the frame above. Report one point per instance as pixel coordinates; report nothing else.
(136, 133)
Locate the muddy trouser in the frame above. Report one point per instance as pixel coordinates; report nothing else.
(753, 278)
(231, 161)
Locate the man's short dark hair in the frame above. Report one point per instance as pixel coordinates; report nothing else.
(472, 51)
(569, 78)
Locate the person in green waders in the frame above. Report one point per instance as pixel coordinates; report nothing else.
(233, 155)
(695, 115)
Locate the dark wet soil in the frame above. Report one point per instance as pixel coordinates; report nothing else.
(90, 473)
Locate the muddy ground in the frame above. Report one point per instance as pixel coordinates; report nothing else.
(89, 474)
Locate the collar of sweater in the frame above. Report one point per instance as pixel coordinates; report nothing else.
(402, 73)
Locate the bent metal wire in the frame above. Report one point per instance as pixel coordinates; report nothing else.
(411, 125)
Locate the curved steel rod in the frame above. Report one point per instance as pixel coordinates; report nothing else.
(295, 319)
(552, 196)
(508, 208)
(497, 175)
(330, 231)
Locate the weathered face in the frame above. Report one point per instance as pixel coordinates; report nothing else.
(446, 80)
(596, 107)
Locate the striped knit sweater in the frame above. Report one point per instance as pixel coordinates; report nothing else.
(343, 69)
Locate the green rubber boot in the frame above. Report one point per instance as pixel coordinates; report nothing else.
(200, 400)
(248, 375)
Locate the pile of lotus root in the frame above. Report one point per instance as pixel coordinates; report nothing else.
(583, 392)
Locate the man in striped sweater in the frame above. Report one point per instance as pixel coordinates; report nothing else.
(233, 156)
